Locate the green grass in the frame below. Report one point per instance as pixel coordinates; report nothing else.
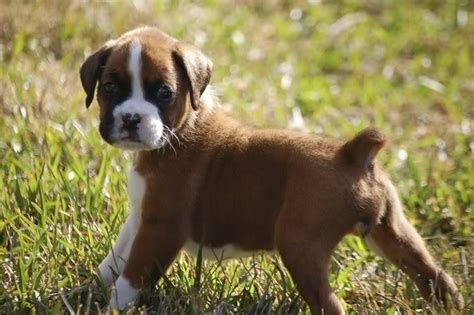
(405, 68)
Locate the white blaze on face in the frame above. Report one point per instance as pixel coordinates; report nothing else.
(134, 68)
(150, 128)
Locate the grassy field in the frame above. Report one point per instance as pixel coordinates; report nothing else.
(403, 67)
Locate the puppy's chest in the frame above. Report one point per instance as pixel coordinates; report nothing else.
(136, 187)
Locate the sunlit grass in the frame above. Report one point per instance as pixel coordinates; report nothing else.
(405, 68)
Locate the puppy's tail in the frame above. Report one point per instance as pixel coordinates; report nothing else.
(361, 150)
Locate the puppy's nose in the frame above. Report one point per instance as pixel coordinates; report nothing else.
(130, 121)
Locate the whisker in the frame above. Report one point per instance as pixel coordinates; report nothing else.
(173, 134)
(167, 139)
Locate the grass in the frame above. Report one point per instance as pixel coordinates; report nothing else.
(405, 67)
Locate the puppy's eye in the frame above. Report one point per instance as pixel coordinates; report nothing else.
(164, 93)
(110, 88)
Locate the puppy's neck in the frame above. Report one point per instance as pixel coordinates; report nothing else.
(208, 105)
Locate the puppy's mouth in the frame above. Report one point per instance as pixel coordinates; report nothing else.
(147, 135)
(134, 139)
(130, 135)
(130, 140)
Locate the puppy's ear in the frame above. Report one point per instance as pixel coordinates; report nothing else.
(91, 69)
(198, 69)
(362, 149)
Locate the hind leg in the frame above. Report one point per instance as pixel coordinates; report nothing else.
(307, 261)
(396, 239)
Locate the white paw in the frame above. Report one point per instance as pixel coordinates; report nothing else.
(123, 294)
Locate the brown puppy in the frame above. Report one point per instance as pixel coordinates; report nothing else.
(202, 181)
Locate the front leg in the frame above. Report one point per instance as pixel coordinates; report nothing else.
(153, 250)
(114, 263)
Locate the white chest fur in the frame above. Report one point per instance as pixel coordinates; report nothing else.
(136, 190)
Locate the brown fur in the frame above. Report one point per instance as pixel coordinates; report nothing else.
(224, 183)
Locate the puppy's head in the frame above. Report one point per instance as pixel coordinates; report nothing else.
(148, 85)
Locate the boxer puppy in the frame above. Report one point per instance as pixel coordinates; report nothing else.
(203, 182)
